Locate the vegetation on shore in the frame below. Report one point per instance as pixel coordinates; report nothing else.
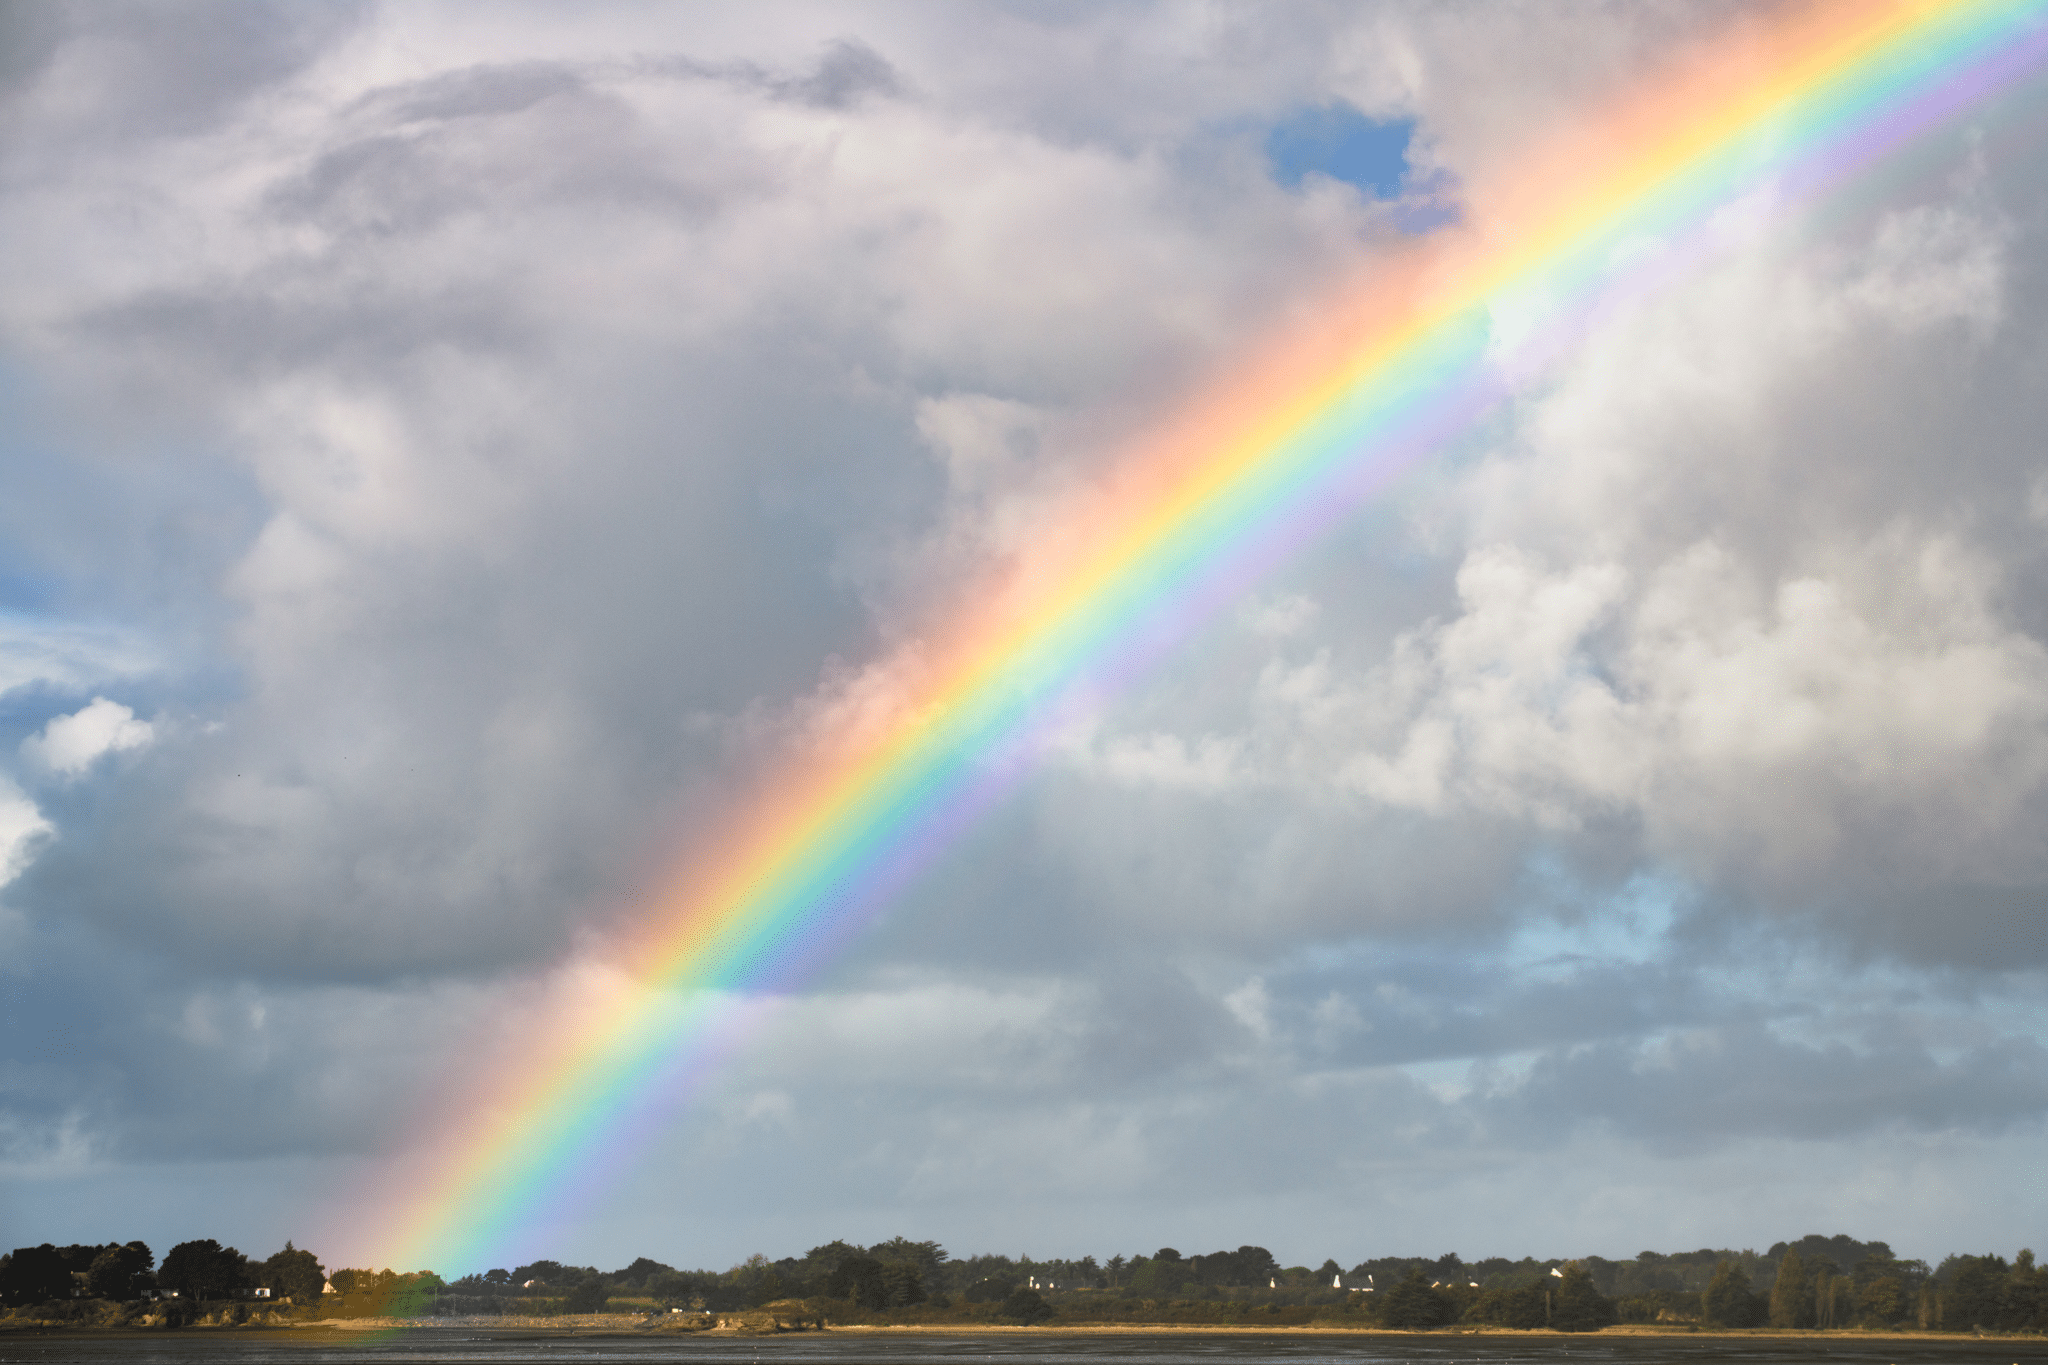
(1817, 1283)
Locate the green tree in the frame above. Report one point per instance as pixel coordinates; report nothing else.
(1412, 1304)
(1728, 1300)
(295, 1275)
(588, 1297)
(1791, 1293)
(1883, 1301)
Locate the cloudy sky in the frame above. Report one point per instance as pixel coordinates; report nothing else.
(437, 438)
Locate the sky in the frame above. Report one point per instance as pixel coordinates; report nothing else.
(442, 440)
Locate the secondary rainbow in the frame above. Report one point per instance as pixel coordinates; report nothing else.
(1292, 442)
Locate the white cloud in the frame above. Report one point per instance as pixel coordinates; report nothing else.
(609, 388)
(22, 831)
(68, 745)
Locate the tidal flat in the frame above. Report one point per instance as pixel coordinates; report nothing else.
(423, 1345)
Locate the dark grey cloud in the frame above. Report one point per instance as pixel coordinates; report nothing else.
(147, 69)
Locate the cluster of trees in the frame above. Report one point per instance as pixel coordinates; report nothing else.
(893, 1274)
(39, 1273)
(1808, 1288)
(1816, 1282)
(362, 1293)
(124, 1271)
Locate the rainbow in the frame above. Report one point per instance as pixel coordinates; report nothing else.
(1403, 365)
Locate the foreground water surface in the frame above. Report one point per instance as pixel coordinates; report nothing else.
(419, 1346)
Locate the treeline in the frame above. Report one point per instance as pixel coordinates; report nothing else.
(125, 1272)
(1816, 1282)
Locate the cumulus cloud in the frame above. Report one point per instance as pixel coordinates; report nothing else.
(69, 745)
(22, 830)
(493, 430)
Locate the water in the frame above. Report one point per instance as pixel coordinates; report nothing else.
(420, 1346)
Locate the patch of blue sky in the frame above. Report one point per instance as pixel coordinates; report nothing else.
(1821, 1004)
(42, 651)
(23, 588)
(1339, 142)
(1372, 155)
(1577, 924)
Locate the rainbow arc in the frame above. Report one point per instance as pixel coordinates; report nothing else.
(1272, 456)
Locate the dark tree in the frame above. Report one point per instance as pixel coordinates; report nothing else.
(903, 1283)
(1412, 1304)
(1577, 1306)
(1728, 1301)
(859, 1278)
(542, 1272)
(588, 1297)
(1525, 1306)
(35, 1274)
(2026, 1295)
(1027, 1306)
(994, 1289)
(1974, 1292)
(926, 1256)
(203, 1270)
(635, 1275)
(295, 1275)
(120, 1272)
(817, 1265)
(499, 1276)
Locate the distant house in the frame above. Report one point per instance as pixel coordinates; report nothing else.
(259, 1294)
